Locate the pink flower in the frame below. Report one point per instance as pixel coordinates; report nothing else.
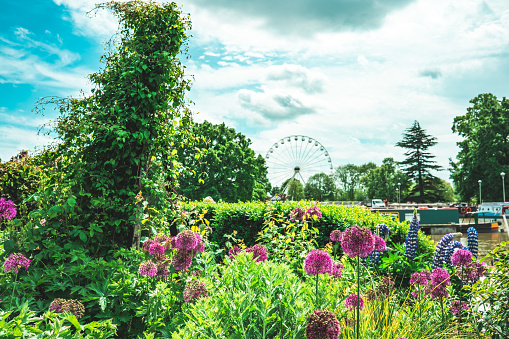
(148, 268)
(379, 244)
(322, 325)
(336, 235)
(233, 252)
(182, 260)
(458, 307)
(352, 301)
(297, 214)
(7, 209)
(186, 240)
(195, 290)
(314, 213)
(358, 242)
(15, 262)
(259, 252)
(318, 262)
(420, 278)
(440, 279)
(461, 257)
(337, 270)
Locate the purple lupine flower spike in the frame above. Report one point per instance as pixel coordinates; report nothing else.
(473, 241)
(440, 249)
(412, 237)
(449, 251)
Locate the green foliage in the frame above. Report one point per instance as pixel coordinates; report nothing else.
(400, 267)
(229, 171)
(491, 295)
(484, 148)
(419, 163)
(19, 179)
(118, 146)
(348, 181)
(320, 187)
(247, 219)
(382, 182)
(250, 300)
(26, 324)
(295, 189)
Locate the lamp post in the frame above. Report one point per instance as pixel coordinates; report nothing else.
(399, 192)
(480, 196)
(503, 186)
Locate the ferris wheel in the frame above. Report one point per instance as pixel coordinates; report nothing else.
(296, 157)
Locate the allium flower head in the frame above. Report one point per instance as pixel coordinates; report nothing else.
(458, 307)
(318, 262)
(148, 268)
(471, 272)
(336, 235)
(162, 269)
(451, 248)
(461, 257)
(15, 261)
(297, 214)
(352, 301)
(337, 269)
(71, 306)
(259, 252)
(195, 290)
(7, 209)
(233, 252)
(358, 242)
(379, 244)
(420, 278)
(186, 240)
(440, 279)
(322, 325)
(314, 213)
(182, 260)
(156, 249)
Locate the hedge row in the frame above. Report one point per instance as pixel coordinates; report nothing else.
(247, 220)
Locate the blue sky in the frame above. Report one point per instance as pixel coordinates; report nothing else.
(351, 74)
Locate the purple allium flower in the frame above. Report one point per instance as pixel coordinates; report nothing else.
(440, 278)
(156, 249)
(297, 214)
(15, 261)
(148, 268)
(461, 257)
(71, 306)
(233, 252)
(336, 235)
(420, 278)
(441, 249)
(162, 269)
(186, 240)
(473, 241)
(314, 213)
(318, 262)
(352, 301)
(322, 325)
(195, 290)
(182, 260)
(379, 244)
(471, 272)
(7, 209)
(458, 307)
(162, 239)
(337, 269)
(200, 248)
(412, 237)
(358, 242)
(259, 252)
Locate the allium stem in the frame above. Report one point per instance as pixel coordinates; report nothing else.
(316, 293)
(358, 295)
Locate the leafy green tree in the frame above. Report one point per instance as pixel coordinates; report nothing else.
(118, 146)
(382, 182)
(418, 164)
(320, 187)
(484, 150)
(348, 181)
(295, 190)
(230, 170)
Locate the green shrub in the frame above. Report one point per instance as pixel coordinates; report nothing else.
(247, 219)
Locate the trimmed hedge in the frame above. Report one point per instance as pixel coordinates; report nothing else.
(247, 220)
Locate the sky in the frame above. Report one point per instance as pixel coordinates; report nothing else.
(350, 74)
